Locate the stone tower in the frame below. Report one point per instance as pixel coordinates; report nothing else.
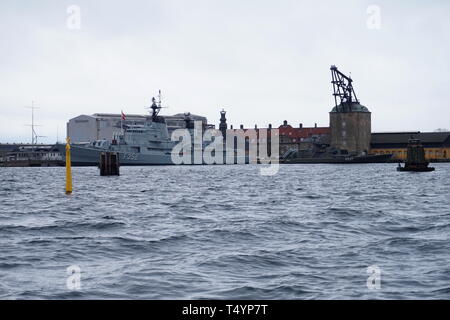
(350, 122)
(351, 128)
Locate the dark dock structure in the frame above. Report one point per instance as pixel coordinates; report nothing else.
(109, 164)
(415, 160)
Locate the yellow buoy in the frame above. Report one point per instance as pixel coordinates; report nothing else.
(68, 168)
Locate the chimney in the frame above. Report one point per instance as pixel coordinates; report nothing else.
(242, 126)
(270, 126)
(285, 123)
(256, 126)
(301, 126)
(315, 125)
(231, 127)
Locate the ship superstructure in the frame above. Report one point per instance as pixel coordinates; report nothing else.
(143, 144)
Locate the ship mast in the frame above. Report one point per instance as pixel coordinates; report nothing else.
(156, 107)
(159, 99)
(34, 136)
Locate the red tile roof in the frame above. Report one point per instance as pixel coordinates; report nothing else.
(299, 133)
(296, 133)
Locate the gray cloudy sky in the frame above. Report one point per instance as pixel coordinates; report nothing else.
(264, 61)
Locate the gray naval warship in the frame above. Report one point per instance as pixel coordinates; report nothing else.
(147, 144)
(136, 145)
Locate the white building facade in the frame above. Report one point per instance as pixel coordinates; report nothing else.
(99, 126)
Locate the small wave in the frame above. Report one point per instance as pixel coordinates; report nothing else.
(141, 243)
(445, 290)
(278, 292)
(12, 265)
(312, 196)
(249, 261)
(404, 229)
(71, 226)
(344, 212)
(237, 234)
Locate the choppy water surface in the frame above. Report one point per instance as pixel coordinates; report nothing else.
(309, 232)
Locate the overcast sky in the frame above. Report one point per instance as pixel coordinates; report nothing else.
(263, 61)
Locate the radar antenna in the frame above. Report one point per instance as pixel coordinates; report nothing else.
(342, 87)
(155, 109)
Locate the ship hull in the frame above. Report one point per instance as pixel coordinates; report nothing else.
(383, 158)
(85, 156)
(415, 168)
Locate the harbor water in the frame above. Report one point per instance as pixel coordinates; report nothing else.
(226, 232)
